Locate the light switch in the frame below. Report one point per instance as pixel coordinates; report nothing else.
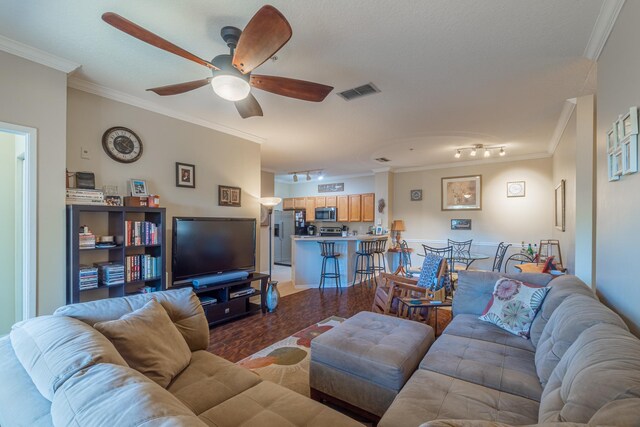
(84, 153)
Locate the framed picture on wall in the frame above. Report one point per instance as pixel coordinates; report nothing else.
(516, 189)
(559, 206)
(229, 196)
(185, 175)
(461, 224)
(462, 193)
(630, 155)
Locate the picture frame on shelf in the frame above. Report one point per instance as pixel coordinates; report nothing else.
(516, 189)
(461, 193)
(185, 175)
(461, 224)
(138, 187)
(629, 149)
(229, 196)
(559, 206)
(629, 124)
(112, 200)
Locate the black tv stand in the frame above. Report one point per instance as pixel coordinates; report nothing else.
(227, 308)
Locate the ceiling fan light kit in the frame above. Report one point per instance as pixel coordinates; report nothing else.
(486, 150)
(267, 31)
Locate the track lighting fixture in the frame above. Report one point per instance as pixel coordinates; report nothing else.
(295, 177)
(473, 150)
(306, 174)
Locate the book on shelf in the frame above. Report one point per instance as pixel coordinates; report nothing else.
(87, 241)
(138, 233)
(142, 267)
(110, 273)
(88, 277)
(77, 196)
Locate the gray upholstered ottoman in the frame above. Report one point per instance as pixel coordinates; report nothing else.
(365, 361)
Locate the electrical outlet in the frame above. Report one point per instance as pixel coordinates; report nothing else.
(84, 153)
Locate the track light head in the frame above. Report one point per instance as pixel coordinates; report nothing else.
(473, 152)
(502, 152)
(458, 154)
(295, 177)
(487, 153)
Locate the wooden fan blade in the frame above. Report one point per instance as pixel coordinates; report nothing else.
(180, 87)
(248, 107)
(300, 89)
(263, 36)
(147, 36)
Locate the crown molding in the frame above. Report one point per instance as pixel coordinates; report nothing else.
(36, 55)
(105, 92)
(482, 161)
(379, 170)
(602, 28)
(561, 125)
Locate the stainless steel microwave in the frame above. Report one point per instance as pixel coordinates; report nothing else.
(326, 214)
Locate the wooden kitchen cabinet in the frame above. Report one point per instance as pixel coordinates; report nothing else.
(321, 202)
(300, 202)
(287, 204)
(368, 209)
(355, 208)
(310, 207)
(343, 208)
(331, 202)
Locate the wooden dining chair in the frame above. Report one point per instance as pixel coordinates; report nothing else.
(393, 287)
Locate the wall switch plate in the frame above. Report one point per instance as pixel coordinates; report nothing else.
(84, 153)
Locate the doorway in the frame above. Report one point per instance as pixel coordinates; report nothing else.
(17, 224)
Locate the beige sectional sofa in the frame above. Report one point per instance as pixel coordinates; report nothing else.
(581, 365)
(58, 370)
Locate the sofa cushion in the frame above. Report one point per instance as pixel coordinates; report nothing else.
(429, 395)
(210, 380)
(574, 315)
(20, 402)
(475, 288)
(149, 342)
(53, 348)
(182, 306)
(492, 365)
(383, 349)
(559, 289)
(468, 325)
(270, 405)
(600, 367)
(514, 305)
(111, 395)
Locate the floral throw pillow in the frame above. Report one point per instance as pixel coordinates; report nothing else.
(514, 305)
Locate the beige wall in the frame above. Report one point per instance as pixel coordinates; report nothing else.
(564, 167)
(38, 97)
(220, 159)
(7, 231)
(618, 228)
(511, 220)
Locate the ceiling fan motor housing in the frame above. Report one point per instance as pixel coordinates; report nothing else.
(231, 35)
(223, 62)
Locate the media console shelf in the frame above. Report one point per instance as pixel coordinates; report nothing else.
(226, 307)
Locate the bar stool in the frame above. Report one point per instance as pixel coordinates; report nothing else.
(381, 263)
(328, 251)
(364, 262)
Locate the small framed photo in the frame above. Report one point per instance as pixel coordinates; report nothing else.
(611, 167)
(138, 187)
(229, 196)
(612, 139)
(378, 230)
(461, 224)
(185, 175)
(516, 189)
(629, 123)
(619, 131)
(629, 148)
(113, 200)
(416, 195)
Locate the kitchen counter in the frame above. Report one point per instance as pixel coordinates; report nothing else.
(306, 262)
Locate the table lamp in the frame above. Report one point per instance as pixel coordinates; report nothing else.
(397, 226)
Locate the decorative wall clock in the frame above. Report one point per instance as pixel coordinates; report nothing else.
(122, 144)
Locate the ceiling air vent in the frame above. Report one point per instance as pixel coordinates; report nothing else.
(382, 160)
(358, 92)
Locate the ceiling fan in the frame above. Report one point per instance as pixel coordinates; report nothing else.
(231, 78)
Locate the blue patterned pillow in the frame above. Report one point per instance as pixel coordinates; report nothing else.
(429, 272)
(514, 305)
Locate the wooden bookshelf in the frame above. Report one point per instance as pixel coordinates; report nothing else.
(110, 220)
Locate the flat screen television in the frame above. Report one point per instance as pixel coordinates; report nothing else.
(204, 246)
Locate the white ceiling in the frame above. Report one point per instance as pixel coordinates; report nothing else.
(451, 72)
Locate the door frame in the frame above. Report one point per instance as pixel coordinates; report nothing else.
(30, 213)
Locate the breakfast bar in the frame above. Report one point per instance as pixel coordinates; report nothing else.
(306, 261)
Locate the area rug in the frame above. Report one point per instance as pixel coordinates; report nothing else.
(287, 362)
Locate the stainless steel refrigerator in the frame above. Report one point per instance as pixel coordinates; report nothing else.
(283, 228)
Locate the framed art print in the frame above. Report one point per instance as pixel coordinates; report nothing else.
(461, 224)
(416, 195)
(516, 189)
(185, 175)
(630, 155)
(462, 193)
(229, 196)
(138, 187)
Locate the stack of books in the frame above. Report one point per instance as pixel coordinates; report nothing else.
(142, 267)
(87, 241)
(139, 233)
(88, 277)
(80, 196)
(111, 273)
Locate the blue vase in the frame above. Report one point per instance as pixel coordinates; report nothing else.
(273, 296)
